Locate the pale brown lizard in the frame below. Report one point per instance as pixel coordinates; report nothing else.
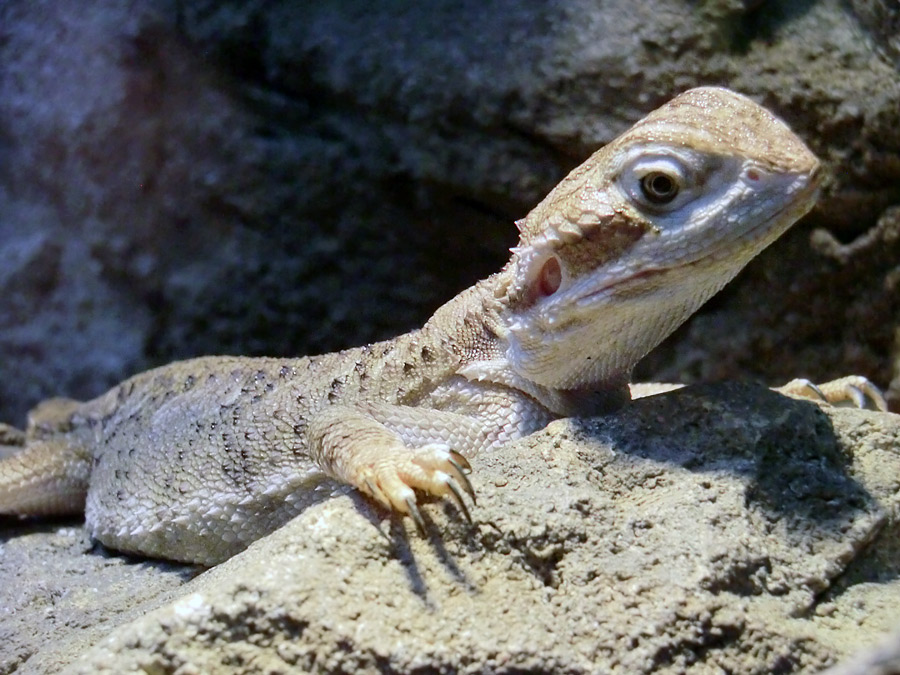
(195, 460)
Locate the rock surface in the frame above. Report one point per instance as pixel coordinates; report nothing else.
(180, 178)
(708, 529)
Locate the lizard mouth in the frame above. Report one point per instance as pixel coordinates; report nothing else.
(624, 284)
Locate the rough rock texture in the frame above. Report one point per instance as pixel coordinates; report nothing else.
(60, 594)
(709, 529)
(179, 178)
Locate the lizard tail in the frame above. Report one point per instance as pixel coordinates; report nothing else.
(48, 477)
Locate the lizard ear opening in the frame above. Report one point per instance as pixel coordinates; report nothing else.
(549, 278)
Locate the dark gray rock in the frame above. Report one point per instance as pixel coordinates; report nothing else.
(179, 178)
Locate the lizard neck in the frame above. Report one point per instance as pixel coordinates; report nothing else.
(472, 327)
(469, 325)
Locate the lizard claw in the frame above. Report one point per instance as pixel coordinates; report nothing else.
(459, 460)
(857, 395)
(434, 469)
(462, 466)
(853, 390)
(800, 386)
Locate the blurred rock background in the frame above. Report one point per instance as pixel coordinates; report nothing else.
(271, 177)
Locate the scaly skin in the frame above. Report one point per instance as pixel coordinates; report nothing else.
(195, 460)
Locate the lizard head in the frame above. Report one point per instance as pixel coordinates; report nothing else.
(634, 240)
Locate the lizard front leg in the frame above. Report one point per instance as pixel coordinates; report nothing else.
(388, 452)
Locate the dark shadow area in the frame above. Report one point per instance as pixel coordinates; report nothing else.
(788, 447)
(762, 22)
(787, 450)
(183, 570)
(12, 526)
(402, 551)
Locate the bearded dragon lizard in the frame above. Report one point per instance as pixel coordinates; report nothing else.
(195, 460)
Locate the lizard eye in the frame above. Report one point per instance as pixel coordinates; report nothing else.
(657, 181)
(659, 188)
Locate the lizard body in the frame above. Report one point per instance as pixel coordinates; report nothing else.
(195, 460)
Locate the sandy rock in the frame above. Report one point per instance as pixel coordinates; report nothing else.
(718, 527)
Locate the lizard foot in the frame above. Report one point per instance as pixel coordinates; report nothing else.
(12, 437)
(851, 391)
(434, 469)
